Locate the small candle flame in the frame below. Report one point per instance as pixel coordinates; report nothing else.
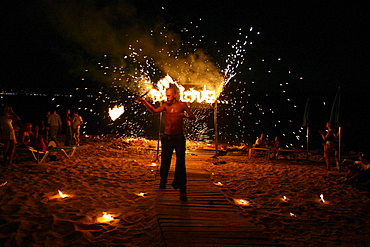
(107, 216)
(322, 198)
(241, 202)
(62, 195)
(285, 198)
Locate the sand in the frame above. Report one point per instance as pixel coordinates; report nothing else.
(100, 177)
(303, 219)
(116, 177)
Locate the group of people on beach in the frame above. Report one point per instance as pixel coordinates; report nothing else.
(357, 170)
(15, 133)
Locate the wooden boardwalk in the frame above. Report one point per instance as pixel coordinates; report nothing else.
(207, 218)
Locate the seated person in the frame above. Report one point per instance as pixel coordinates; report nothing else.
(261, 142)
(358, 171)
(28, 138)
(275, 145)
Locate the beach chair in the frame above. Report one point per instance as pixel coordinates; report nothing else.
(255, 152)
(53, 148)
(287, 153)
(38, 155)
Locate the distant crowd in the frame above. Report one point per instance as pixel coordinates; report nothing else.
(16, 133)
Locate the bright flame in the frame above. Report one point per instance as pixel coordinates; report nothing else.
(191, 95)
(285, 199)
(241, 202)
(141, 194)
(322, 198)
(105, 218)
(219, 184)
(116, 112)
(292, 215)
(62, 195)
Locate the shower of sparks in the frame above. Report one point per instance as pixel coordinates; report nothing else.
(245, 111)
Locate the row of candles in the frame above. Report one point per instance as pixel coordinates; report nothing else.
(105, 218)
(243, 202)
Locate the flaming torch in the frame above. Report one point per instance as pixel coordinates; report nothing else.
(116, 112)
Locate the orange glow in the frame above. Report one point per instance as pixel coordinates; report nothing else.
(105, 218)
(241, 202)
(116, 112)
(191, 95)
(322, 198)
(62, 195)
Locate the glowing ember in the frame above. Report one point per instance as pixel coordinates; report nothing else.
(116, 112)
(142, 194)
(62, 195)
(292, 215)
(154, 164)
(322, 198)
(219, 184)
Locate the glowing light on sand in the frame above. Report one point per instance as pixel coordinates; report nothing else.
(284, 199)
(241, 202)
(116, 112)
(62, 195)
(322, 198)
(59, 196)
(105, 218)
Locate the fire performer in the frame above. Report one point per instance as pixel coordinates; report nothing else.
(173, 139)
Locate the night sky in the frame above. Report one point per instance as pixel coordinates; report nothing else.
(47, 45)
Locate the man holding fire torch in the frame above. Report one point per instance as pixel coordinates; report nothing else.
(173, 139)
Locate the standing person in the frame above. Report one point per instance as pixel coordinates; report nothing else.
(330, 144)
(45, 126)
(67, 121)
(76, 124)
(173, 139)
(8, 134)
(55, 125)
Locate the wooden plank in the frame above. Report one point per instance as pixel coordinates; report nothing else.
(188, 238)
(206, 219)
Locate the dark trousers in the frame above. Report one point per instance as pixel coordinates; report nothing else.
(177, 143)
(68, 141)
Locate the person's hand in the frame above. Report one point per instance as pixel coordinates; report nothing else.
(138, 100)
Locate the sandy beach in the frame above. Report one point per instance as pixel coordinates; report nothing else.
(118, 178)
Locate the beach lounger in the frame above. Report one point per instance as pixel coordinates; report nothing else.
(38, 155)
(288, 153)
(62, 149)
(259, 152)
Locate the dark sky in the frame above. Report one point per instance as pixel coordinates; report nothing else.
(326, 42)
